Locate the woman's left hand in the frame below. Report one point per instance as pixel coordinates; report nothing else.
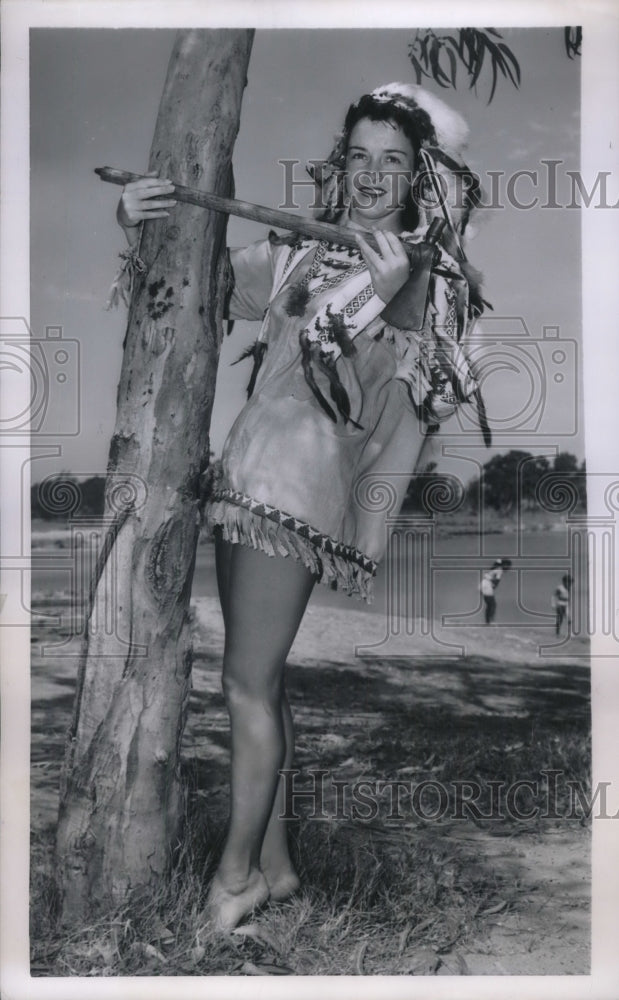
(390, 269)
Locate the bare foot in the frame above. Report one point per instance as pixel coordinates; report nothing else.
(282, 882)
(226, 907)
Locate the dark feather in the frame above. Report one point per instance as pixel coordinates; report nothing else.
(420, 411)
(337, 327)
(249, 352)
(457, 387)
(259, 351)
(483, 418)
(287, 239)
(256, 351)
(306, 361)
(298, 297)
(338, 265)
(475, 282)
(338, 392)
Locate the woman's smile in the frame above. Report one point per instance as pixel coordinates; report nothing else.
(379, 167)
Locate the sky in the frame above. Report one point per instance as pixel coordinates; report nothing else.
(94, 97)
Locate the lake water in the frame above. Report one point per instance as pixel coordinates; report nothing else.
(424, 575)
(438, 577)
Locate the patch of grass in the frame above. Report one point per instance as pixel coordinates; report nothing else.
(505, 751)
(397, 896)
(379, 897)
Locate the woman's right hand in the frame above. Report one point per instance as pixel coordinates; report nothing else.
(143, 200)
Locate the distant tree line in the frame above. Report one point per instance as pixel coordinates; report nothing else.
(64, 495)
(516, 480)
(510, 482)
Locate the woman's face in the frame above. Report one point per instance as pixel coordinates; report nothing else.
(380, 164)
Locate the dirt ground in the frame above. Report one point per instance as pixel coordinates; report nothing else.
(337, 696)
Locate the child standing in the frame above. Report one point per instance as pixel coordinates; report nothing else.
(561, 604)
(489, 583)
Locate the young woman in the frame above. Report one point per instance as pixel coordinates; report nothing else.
(343, 397)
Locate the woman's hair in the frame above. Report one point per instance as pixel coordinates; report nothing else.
(415, 123)
(400, 104)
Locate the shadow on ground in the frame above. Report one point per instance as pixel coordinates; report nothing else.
(414, 719)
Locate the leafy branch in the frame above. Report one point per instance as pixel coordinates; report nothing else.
(438, 57)
(573, 41)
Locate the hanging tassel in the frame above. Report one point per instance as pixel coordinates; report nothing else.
(121, 288)
(306, 361)
(257, 352)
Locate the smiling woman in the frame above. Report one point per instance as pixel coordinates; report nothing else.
(344, 391)
(83, 115)
(294, 465)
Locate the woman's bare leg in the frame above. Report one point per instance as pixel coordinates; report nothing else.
(263, 600)
(275, 861)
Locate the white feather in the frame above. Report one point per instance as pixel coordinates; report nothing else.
(450, 127)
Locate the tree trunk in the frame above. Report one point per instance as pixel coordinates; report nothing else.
(121, 797)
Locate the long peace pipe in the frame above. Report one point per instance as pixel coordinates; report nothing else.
(256, 213)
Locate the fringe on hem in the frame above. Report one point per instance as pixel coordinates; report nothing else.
(242, 526)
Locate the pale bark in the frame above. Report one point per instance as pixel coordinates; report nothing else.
(121, 799)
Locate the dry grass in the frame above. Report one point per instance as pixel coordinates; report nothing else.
(370, 905)
(380, 897)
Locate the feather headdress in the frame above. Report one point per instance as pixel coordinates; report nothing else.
(450, 127)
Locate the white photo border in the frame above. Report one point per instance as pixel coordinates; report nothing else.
(600, 151)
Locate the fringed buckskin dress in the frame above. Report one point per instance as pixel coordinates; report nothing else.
(340, 404)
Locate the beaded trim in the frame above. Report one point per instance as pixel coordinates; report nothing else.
(324, 543)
